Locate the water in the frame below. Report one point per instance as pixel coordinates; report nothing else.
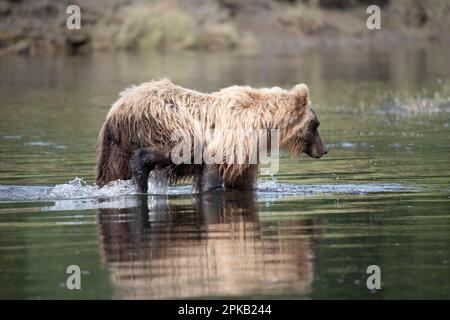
(380, 197)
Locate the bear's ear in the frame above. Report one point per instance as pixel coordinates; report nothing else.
(301, 93)
(301, 90)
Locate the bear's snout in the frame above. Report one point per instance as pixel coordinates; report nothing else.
(317, 148)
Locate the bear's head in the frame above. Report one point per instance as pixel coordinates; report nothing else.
(302, 132)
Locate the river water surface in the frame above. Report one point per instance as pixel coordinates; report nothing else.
(380, 197)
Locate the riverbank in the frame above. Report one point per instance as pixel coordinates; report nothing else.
(253, 26)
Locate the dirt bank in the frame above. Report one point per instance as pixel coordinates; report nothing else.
(254, 26)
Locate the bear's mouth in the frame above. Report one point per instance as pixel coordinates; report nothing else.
(316, 155)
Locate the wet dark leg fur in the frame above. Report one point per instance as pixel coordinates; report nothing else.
(206, 178)
(142, 162)
(247, 181)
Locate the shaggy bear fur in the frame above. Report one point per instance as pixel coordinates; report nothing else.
(136, 137)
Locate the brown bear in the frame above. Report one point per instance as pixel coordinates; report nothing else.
(137, 136)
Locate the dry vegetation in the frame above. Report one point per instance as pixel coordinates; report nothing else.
(30, 27)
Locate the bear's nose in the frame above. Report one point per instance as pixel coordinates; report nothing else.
(325, 151)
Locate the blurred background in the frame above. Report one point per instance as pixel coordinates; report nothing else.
(252, 26)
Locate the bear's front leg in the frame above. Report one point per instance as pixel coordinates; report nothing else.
(206, 178)
(142, 162)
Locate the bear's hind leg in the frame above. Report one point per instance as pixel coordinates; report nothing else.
(206, 178)
(142, 162)
(247, 181)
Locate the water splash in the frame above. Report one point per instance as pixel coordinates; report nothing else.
(79, 189)
(158, 183)
(423, 103)
(74, 189)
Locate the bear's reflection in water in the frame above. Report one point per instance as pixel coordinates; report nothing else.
(213, 245)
